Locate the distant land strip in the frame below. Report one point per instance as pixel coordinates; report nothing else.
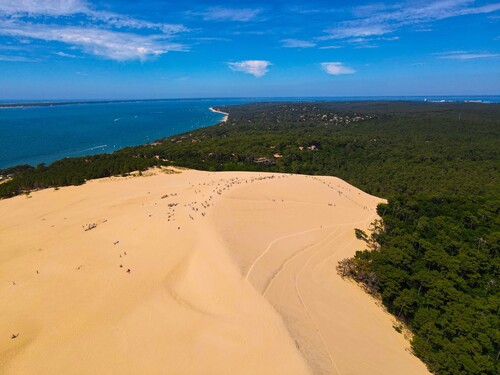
(55, 103)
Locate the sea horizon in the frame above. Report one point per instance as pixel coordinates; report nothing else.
(46, 131)
(430, 98)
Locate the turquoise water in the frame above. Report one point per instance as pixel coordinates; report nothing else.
(33, 135)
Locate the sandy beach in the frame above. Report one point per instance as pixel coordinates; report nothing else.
(191, 272)
(224, 113)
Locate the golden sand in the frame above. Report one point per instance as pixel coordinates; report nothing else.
(191, 273)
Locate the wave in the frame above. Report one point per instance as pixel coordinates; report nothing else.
(96, 147)
(90, 149)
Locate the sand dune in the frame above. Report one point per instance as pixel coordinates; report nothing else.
(190, 273)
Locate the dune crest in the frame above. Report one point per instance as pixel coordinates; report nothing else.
(190, 273)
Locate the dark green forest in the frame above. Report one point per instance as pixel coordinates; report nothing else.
(433, 260)
(385, 148)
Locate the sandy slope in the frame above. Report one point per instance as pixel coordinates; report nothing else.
(230, 273)
(305, 226)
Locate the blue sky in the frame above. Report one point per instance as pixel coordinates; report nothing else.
(115, 49)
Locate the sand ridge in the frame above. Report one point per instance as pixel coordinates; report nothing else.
(310, 222)
(190, 273)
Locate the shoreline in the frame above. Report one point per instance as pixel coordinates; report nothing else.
(223, 113)
(49, 159)
(484, 99)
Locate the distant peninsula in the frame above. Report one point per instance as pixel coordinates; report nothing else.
(61, 103)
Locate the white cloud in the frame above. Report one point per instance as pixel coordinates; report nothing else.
(16, 58)
(106, 43)
(120, 21)
(295, 43)
(44, 7)
(64, 54)
(380, 20)
(230, 14)
(330, 47)
(336, 68)
(257, 68)
(56, 8)
(97, 35)
(463, 55)
(357, 30)
(362, 11)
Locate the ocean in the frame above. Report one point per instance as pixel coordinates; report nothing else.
(43, 134)
(33, 135)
